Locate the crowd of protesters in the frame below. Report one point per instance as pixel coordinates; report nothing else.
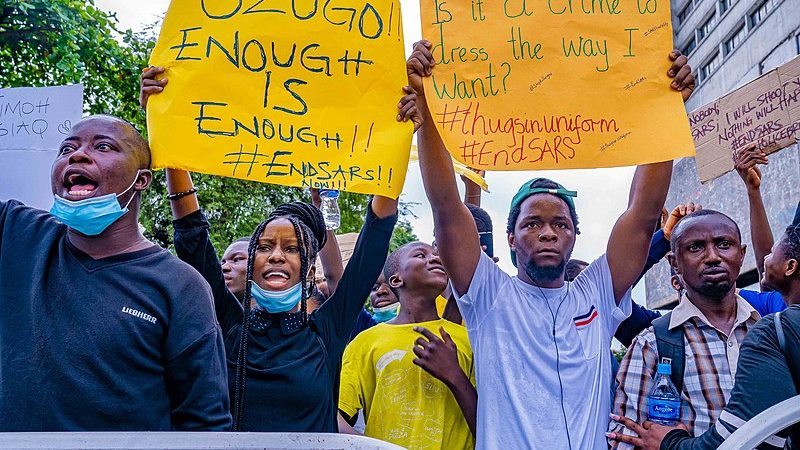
(100, 329)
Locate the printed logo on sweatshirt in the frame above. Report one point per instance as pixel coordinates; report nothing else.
(139, 314)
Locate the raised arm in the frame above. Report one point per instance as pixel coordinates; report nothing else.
(191, 238)
(455, 231)
(179, 182)
(330, 256)
(472, 192)
(337, 316)
(407, 109)
(745, 160)
(630, 238)
(641, 317)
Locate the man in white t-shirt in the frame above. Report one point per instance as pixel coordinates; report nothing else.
(540, 344)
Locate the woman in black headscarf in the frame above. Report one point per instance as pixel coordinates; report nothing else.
(283, 363)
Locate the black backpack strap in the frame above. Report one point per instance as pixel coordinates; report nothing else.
(670, 345)
(779, 332)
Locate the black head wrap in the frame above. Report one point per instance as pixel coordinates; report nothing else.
(309, 216)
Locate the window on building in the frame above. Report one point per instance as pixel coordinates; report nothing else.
(684, 13)
(709, 67)
(706, 28)
(732, 42)
(697, 80)
(761, 11)
(724, 5)
(690, 46)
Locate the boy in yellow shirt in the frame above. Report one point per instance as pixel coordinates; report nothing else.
(415, 387)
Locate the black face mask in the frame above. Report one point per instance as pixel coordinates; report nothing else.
(545, 273)
(487, 241)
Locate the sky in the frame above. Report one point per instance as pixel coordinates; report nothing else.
(602, 193)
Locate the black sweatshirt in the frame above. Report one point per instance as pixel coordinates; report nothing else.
(765, 376)
(292, 370)
(128, 342)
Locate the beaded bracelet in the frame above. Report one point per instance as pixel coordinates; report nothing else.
(178, 195)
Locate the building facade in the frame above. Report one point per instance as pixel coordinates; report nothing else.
(730, 42)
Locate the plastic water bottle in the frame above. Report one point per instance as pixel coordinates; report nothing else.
(664, 401)
(330, 208)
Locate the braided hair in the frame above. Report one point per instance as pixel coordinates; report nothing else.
(309, 228)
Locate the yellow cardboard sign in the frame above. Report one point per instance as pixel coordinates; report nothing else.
(554, 84)
(291, 92)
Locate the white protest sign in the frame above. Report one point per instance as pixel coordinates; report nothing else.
(33, 122)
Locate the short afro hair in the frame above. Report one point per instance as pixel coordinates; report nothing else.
(394, 261)
(680, 227)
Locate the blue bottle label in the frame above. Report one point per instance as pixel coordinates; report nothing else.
(665, 410)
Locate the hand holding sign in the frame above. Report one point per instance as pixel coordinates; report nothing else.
(299, 93)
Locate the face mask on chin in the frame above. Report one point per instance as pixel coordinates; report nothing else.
(386, 313)
(275, 302)
(91, 216)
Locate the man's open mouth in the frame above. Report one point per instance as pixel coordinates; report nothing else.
(79, 184)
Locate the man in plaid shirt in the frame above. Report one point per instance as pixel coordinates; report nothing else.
(707, 255)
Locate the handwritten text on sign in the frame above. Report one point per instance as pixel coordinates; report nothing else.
(38, 118)
(33, 123)
(765, 111)
(555, 84)
(291, 92)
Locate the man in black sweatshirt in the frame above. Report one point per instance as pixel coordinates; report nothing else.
(100, 329)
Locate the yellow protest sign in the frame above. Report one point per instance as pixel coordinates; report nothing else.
(291, 92)
(554, 84)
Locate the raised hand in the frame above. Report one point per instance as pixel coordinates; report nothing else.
(419, 65)
(407, 108)
(678, 213)
(681, 73)
(745, 160)
(149, 85)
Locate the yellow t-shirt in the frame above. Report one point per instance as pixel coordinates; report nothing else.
(441, 304)
(402, 403)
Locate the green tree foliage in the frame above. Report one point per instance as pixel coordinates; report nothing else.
(54, 42)
(403, 232)
(619, 354)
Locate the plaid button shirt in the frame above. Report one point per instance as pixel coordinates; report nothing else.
(709, 372)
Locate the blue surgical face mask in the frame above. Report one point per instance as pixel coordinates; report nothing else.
(386, 313)
(276, 301)
(92, 215)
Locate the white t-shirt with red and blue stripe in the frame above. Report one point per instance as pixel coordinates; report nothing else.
(533, 372)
